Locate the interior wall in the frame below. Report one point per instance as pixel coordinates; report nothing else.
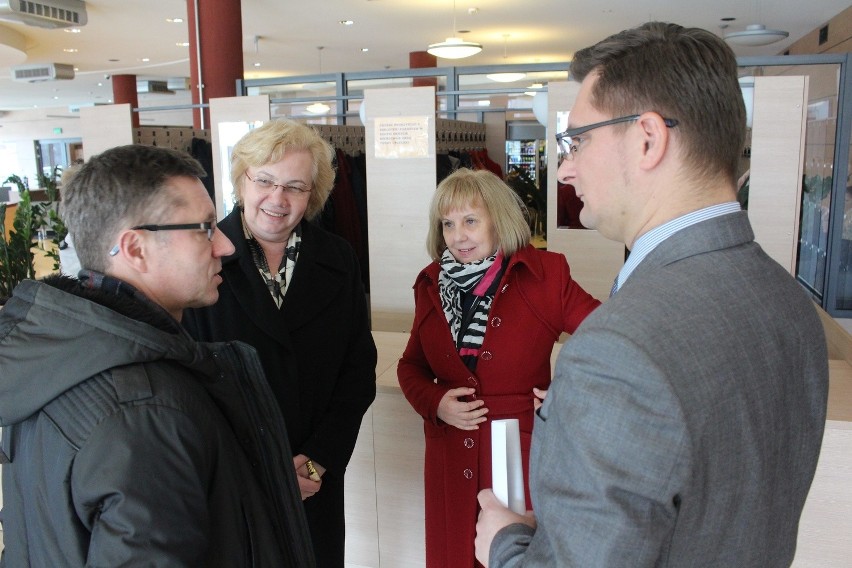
(594, 259)
(778, 146)
(399, 191)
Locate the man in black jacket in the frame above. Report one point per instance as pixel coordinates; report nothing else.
(129, 443)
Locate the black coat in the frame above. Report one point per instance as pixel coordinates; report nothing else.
(317, 351)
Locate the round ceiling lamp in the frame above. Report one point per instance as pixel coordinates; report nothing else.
(318, 108)
(506, 77)
(454, 47)
(755, 35)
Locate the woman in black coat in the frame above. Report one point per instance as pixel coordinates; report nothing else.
(294, 292)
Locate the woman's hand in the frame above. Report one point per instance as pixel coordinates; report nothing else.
(307, 486)
(462, 415)
(539, 397)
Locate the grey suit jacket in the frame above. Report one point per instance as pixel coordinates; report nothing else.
(685, 418)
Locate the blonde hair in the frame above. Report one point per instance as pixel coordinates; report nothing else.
(466, 187)
(270, 143)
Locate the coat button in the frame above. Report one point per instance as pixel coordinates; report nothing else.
(495, 322)
(468, 474)
(468, 442)
(472, 381)
(486, 356)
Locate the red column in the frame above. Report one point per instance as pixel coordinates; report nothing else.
(124, 91)
(419, 60)
(220, 35)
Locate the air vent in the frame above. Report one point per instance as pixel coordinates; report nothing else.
(153, 87)
(45, 72)
(45, 13)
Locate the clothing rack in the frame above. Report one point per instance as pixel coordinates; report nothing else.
(458, 135)
(350, 139)
(174, 137)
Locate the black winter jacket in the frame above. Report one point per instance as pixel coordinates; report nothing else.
(131, 444)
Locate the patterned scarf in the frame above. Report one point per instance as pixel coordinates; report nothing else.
(479, 278)
(277, 283)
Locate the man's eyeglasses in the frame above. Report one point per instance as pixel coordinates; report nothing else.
(268, 186)
(569, 141)
(209, 226)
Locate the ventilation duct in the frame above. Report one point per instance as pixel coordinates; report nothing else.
(45, 13)
(153, 88)
(42, 72)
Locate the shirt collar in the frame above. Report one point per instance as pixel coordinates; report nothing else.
(652, 239)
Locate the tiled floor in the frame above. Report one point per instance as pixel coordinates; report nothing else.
(384, 483)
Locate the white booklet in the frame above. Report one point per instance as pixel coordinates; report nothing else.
(507, 472)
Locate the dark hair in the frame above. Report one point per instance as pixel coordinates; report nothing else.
(688, 74)
(117, 189)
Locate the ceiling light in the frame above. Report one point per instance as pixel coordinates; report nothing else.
(174, 20)
(182, 44)
(346, 22)
(506, 77)
(318, 108)
(257, 64)
(365, 49)
(72, 30)
(754, 35)
(454, 47)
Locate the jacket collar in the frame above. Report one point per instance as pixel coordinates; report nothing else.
(524, 258)
(321, 271)
(714, 234)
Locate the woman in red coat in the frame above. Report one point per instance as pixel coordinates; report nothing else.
(488, 311)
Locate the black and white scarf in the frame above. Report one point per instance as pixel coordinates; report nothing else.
(278, 281)
(479, 278)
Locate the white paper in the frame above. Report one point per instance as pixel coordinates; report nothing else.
(507, 473)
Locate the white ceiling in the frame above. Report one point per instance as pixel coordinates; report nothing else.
(121, 33)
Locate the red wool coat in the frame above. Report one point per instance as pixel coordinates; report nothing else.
(535, 302)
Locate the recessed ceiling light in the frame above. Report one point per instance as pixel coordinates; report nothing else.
(257, 64)
(365, 49)
(146, 59)
(174, 20)
(100, 84)
(346, 22)
(72, 30)
(70, 50)
(182, 44)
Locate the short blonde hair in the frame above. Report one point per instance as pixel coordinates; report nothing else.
(465, 187)
(269, 143)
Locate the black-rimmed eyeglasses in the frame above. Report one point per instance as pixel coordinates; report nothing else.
(569, 141)
(209, 226)
(267, 186)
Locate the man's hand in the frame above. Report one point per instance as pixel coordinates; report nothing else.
(493, 517)
(462, 415)
(307, 486)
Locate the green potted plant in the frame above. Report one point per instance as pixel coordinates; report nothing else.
(16, 255)
(16, 250)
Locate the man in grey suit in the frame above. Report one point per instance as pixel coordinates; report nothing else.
(684, 422)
